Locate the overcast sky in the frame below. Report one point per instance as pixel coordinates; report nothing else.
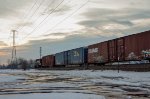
(58, 25)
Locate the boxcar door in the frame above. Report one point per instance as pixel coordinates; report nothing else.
(121, 49)
(112, 50)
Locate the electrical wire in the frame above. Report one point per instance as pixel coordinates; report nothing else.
(42, 1)
(44, 19)
(28, 11)
(67, 17)
(45, 9)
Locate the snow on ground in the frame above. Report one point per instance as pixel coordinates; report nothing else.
(81, 84)
(8, 78)
(53, 96)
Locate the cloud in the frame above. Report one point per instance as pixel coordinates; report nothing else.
(123, 16)
(4, 52)
(115, 4)
(115, 22)
(57, 34)
(10, 8)
(57, 10)
(62, 10)
(2, 44)
(61, 34)
(24, 24)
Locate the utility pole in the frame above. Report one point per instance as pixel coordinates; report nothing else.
(14, 58)
(40, 52)
(40, 57)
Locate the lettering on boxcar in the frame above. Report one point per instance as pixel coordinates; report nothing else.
(93, 50)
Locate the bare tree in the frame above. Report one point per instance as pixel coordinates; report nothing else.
(22, 63)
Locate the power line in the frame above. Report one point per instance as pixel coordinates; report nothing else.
(9, 37)
(44, 19)
(59, 9)
(27, 14)
(50, 5)
(45, 9)
(67, 16)
(60, 21)
(42, 1)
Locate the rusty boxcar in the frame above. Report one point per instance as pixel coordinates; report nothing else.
(116, 49)
(137, 46)
(132, 47)
(48, 61)
(98, 53)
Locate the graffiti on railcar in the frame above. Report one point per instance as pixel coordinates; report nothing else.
(93, 50)
(132, 56)
(76, 53)
(146, 53)
(99, 59)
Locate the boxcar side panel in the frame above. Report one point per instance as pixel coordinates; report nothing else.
(61, 58)
(104, 51)
(98, 53)
(77, 56)
(120, 49)
(131, 47)
(48, 61)
(144, 45)
(93, 53)
(136, 45)
(112, 50)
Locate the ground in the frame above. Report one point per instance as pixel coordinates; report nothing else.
(74, 84)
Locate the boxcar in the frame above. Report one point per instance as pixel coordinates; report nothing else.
(77, 56)
(137, 46)
(132, 47)
(98, 53)
(48, 61)
(61, 59)
(116, 49)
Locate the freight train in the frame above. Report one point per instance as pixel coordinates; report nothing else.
(134, 47)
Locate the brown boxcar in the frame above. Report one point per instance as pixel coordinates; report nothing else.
(132, 47)
(98, 53)
(48, 61)
(120, 49)
(137, 46)
(116, 49)
(112, 50)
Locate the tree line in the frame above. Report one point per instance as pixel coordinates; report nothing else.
(21, 63)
